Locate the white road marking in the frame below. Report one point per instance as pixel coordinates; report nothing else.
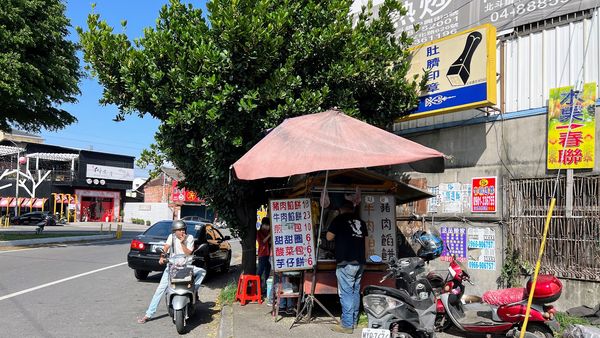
(59, 281)
(15, 250)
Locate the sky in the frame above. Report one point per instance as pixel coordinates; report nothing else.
(95, 128)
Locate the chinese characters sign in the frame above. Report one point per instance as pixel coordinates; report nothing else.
(483, 239)
(440, 18)
(291, 230)
(455, 243)
(461, 72)
(450, 198)
(184, 195)
(379, 213)
(571, 148)
(484, 194)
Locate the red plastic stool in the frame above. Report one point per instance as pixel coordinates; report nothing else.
(248, 289)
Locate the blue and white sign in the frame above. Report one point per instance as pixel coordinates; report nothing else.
(482, 248)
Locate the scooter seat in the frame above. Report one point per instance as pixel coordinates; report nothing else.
(504, 296)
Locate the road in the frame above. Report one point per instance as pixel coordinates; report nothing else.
(87, 290)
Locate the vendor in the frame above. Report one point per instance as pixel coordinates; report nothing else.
(349, 233)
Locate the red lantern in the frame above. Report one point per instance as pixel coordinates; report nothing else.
(22, 160)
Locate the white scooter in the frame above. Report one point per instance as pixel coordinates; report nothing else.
(180, 296)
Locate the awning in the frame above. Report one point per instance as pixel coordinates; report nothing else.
(4, 201)
(26, 201)
(39, 203)
(13, 203)
(327, 141)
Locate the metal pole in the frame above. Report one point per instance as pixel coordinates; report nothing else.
(17, 183)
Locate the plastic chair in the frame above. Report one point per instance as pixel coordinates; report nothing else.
(248, 289)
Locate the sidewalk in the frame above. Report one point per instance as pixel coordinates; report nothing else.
(255, 321)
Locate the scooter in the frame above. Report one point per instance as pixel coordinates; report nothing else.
(181, 296)
(500, 311)
(406, 311)
(48, 221)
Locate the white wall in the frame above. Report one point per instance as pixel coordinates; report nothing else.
(152, 212)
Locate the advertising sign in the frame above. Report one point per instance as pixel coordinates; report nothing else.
(292, 233)
(483, 240)
(572, 147)
(440, 18)
(484, 194)
(379, 213)
(183, 195)
(461, 72)
(109, 173)
(455, 243)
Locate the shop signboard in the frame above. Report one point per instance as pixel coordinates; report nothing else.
(482, 248)
(183, 195)
(484, 195)
(461, 72)
(455, 243)
(109, 172)
(440, 18)
(572, 127)
(292, 234)
(379, 213)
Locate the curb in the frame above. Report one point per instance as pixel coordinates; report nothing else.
(226, 324)
(54, 240)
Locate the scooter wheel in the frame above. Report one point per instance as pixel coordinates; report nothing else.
(180, 321)
(540, 331)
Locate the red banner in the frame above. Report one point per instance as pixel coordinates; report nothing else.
(182, 195)
(484, 195)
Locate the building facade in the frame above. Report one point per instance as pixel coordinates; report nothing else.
(494, 195)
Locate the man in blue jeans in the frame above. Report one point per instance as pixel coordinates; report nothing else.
(349, 233)
(178, 242)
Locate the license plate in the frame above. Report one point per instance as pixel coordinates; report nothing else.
(375, 333)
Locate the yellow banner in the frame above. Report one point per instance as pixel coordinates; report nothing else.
(572, 148)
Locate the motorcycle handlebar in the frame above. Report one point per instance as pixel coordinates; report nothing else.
(386, 276)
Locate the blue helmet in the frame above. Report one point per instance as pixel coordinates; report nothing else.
(431, 245)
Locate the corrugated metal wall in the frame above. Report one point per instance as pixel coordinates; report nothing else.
(534, 63)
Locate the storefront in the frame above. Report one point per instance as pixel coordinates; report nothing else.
(98, 205)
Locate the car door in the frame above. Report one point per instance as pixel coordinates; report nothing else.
(214, 244)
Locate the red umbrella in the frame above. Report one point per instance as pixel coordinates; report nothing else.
(326, 141)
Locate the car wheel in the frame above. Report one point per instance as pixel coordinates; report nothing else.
(141, 274)
(227, 264)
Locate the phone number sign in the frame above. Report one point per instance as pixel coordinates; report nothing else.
(484, 194)
(292, 233)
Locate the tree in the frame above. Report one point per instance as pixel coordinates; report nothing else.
(217, 83)
(38, 67)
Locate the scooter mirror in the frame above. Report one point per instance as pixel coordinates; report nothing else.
(375, 259)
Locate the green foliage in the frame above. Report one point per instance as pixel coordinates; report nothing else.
(217, 83)
(227, 294)
(139, 221)
(514, 269)
(565, 320)
(38, 66)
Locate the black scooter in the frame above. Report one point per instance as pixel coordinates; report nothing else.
(48, 221)
(407, 311)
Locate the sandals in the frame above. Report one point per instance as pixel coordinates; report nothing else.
(143, 320)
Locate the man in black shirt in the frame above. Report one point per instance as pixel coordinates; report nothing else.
(349, 233)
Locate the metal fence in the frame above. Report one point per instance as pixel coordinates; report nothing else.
(573, 243)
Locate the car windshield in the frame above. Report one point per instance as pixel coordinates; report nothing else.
(163, 229)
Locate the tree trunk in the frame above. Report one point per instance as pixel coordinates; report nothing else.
(247, 217)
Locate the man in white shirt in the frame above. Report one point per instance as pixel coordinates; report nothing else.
(181, 243)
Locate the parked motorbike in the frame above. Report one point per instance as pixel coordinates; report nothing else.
(47, 221)
(406, 311)
(181, 296)
(499, 311)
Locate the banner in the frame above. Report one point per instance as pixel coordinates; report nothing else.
(379, 213)
(292, 234)
(572, 148)
(484, 195)
(455, 243)
(184, 195)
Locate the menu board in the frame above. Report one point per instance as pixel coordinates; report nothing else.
(379, 213)
(292, 233)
